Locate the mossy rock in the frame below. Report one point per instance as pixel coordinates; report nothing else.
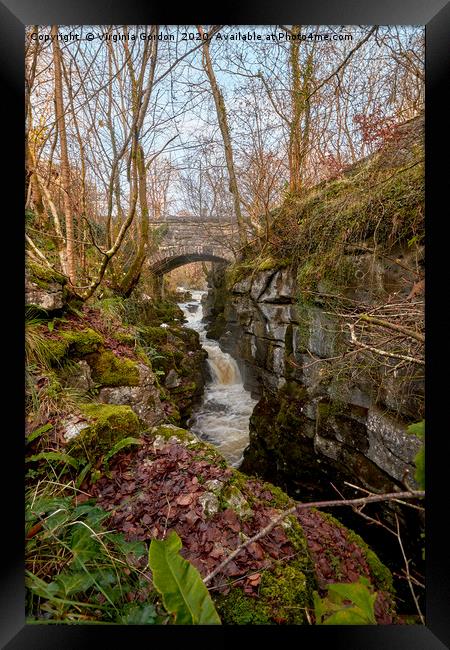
(284, 593)
(107, 369)
(168, 431)
(56, 349)
(73, 344)
(231, 497)
(108, 423)
(153, 334)
(43, 276)
(82, 342)
(125, 337)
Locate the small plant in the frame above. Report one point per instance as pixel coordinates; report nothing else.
(78, 571)
(346, 604)
(113, 309)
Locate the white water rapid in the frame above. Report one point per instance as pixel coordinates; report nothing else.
(222, 417)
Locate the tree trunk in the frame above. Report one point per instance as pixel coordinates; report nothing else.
(299, 129)
(134, 272)
(65, 173)
(225, 131)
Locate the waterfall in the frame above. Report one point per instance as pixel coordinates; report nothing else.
(222, 417)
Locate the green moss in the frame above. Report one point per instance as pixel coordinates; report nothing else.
(73, 343)
(108, 423)
(281, 499)
(239, 609)
(167, 431)
(109, 370)
(283, 596)
(153, 335)
(82, 342)
(125, 337)
(232, 497)
(57, 349)
(188, 388)
(42, 275)
(270, 263)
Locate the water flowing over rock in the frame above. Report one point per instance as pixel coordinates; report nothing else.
(223, 415)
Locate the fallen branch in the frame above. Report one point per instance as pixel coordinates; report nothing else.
(392, 326)
(383, 353)
(392, 496)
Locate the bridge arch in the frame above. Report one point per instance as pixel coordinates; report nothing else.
(165, 265)
(185, 240)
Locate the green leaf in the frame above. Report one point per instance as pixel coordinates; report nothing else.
(134, 614)
(180, 584)
(54, 455)
(335, 608)
(51, 325)
(82, 475)
(74, 583)
(38, 432)
(125, 547)
(120, 445)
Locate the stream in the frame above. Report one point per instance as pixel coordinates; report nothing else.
(222, 417)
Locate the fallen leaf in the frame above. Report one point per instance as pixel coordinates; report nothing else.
(184, 499)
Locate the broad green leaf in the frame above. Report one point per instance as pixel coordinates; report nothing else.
(180, 584)
(349, 616)
(51, 325)
(38, 432)
(74, 583)
(120, 445)
(134, 614)
(357, 592)
(125, 547)
(84, 544)
(334, 610)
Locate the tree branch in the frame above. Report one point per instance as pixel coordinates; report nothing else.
(383, 353)
(392, 326)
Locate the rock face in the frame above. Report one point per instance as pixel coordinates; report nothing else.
(311, 423)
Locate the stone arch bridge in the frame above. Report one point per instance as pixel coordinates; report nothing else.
(192, 239)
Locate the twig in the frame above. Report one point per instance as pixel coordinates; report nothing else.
(399, 328)
(393, 496)
(408, 575)
(383, 353)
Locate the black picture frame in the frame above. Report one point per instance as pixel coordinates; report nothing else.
(435, 15)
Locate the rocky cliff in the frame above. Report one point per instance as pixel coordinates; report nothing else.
(318, 324)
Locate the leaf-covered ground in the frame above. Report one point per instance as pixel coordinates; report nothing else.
(170, 484)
